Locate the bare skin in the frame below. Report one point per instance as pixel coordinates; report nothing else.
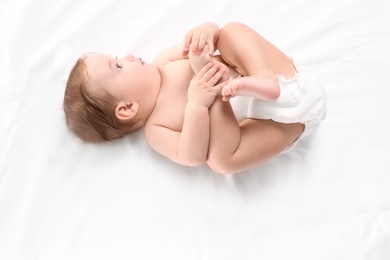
(185, 117)
(250, 87)
(237, 146)
(261, 85)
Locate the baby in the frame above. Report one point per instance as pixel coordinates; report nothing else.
(183, 97)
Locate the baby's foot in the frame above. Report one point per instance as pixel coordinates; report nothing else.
(257, 86)
(198, 61)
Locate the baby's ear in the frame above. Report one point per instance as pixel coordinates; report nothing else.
(126, 111)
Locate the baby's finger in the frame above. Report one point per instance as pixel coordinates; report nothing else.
(202, 43)
(217, 74)
(194, 43)
(206, 49)
(221, 85)
(193, 48)
(187, 41)
(217, 89)
(204, 70)
(210, 43)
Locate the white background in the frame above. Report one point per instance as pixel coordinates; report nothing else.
(61, 199)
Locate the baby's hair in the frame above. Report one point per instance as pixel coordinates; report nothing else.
(91, 114)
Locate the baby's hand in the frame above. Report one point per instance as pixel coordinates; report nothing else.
(196, 40)
(198, 61)
(203, 89)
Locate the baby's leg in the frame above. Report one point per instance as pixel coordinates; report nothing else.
(257, 86)
(236, 147)
(256, 59)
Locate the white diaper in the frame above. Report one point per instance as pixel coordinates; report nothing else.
(302, 100)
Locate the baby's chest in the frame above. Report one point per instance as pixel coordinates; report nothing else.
(173, 98)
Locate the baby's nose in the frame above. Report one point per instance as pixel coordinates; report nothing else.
(130, 57)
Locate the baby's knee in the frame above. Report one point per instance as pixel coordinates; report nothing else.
(231, 28)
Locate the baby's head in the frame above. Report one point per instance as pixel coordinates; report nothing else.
(103, 98)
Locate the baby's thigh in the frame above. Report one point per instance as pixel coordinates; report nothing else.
(264, 139)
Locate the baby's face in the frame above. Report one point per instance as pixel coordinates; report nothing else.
(126, 78)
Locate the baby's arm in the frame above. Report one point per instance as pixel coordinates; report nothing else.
(190, 145)
(193, 143)
(196, 39)
(171, 54)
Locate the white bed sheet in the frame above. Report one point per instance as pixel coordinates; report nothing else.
(62, 199)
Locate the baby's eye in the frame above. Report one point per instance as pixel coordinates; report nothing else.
(119, 67)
